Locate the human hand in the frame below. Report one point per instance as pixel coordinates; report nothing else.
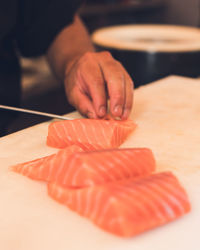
(95, 77)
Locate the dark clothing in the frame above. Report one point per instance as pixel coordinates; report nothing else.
(27, 27)
(33, 24)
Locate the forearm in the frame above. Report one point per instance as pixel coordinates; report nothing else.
(68, 46)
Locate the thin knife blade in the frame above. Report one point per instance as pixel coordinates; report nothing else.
(35, 112)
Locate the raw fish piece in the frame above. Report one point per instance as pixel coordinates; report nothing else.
(46, 168)
(90, 133)
(73, 167)
(126, 208)
(98, 167)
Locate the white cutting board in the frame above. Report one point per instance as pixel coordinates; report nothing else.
(168, 116)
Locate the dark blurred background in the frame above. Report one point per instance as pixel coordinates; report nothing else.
(98, 13)
(42, 92)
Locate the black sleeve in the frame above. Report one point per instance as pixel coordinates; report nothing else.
(39, 21)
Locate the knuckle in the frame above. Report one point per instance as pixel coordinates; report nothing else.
(118, 77)
(88, 58)
(88, 55)
(112, 64)
(115, 67)
(106, 54)
(118, 97)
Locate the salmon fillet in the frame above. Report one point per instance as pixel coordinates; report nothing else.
(92, 134)
(46, 168)
(98, 167)
(74, 168)
(126, 208)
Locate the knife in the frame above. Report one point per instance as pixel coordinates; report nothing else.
(35, 112)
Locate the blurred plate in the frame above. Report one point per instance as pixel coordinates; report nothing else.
(150, 52)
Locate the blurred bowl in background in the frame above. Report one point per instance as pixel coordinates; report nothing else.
(150, 52)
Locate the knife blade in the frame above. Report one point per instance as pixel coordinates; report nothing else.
(34, 112)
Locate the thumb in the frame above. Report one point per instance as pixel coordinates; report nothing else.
(82, 103)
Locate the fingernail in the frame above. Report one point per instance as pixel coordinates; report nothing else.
(102, 111)
(126, 114)
(118, 110)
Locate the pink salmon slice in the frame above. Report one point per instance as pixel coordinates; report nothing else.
(127, 208)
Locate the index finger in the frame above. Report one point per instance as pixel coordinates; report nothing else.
(94, 81)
